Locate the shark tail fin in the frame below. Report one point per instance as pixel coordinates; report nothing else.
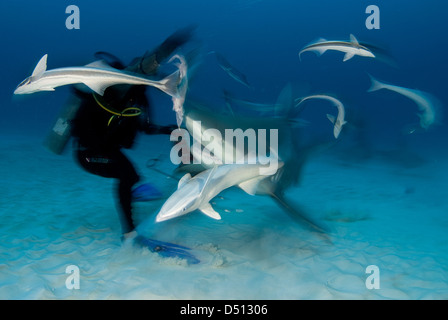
(375, 84)
(298, 214)
(170, 84)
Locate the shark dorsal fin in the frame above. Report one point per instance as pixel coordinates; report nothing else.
(354, 40)
(101, 64)
(184, 180)
(208, 210)
(41, 67)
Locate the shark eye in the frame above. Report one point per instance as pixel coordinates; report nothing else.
(24, 82)
(184, 209)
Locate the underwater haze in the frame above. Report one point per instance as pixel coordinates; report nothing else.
(380, 187)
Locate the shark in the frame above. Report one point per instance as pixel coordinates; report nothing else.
(427, 104)
(195, 193)
(350, 48)
(253, 177)
(231, 70)
(98, 76)
(179, 99)
(338, 121)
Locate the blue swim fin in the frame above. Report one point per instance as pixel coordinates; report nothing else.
(166, 249)
(146, 192)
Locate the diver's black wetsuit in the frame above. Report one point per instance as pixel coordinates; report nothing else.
(100, 133)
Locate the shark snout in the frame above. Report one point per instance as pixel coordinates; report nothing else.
(168, 213)
(161, 218)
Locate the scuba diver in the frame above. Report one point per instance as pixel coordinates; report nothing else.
(103, 125)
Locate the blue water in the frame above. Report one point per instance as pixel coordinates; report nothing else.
(380, 180)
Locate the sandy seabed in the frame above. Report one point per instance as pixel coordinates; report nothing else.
(54, 215)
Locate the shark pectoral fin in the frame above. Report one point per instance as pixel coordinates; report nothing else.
(251, 186)
(209, 211)
(183, 180)
(98, 87)
(331, 118)
(320, 50)
(348, 56)
(41, 67)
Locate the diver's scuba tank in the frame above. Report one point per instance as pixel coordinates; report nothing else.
(57, 138)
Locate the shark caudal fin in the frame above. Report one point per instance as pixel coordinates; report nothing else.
(41, 67)
(298, 215)
(170, 84)
(376, 85)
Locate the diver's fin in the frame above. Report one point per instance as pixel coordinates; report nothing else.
(331, 118)
(348, 56)
(209, 211)
(184, 180)
(251, 186)
(41, 67)
(354, 40)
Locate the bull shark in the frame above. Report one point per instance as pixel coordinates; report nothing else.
(196, 193)
(350, 48)
(427, 104)
(97, 76)
(253, 177)
(339, 121)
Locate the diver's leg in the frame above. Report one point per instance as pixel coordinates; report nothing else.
(127, 178)
(125, 216)
(149, 63)
(114, 165)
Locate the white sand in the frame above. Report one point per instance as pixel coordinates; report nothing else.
(52, 215)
